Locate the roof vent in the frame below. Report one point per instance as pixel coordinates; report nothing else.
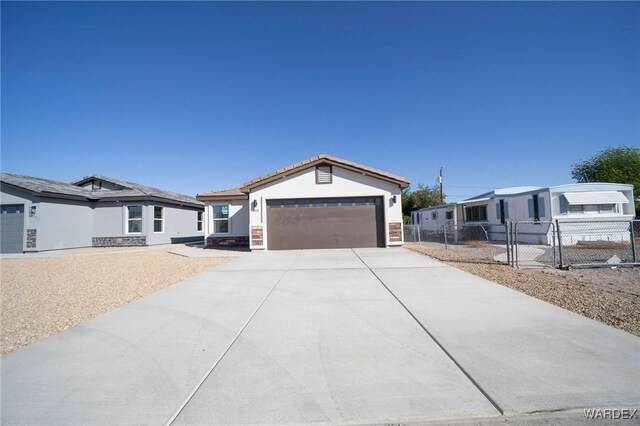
(323, 174)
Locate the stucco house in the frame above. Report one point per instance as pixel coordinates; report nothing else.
(573, 204)
(40, 214)
(321, 202)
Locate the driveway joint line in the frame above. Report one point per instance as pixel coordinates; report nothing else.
(237, 336)
(456, 363)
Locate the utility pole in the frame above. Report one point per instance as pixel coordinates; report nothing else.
(440, 182)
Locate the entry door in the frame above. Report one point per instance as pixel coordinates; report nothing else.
(11, 228)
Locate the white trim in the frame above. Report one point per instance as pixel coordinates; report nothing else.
(200, 221)
(161, 219)
(228, 219)
(595, 197)
(126, 221)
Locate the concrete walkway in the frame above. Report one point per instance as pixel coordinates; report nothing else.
(326, 336)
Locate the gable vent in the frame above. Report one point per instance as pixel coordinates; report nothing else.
(323, 174)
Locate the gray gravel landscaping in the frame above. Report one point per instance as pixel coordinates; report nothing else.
(43, 296)
(609, 295)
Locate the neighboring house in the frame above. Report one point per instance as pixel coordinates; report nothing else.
(321, 202)
(576, 203)
(39, 214)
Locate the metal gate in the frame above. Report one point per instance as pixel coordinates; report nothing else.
(534, 244)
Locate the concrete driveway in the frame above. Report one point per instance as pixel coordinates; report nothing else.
(325, 336)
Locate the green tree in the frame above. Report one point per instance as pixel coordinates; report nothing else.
(614, 164)
(422, 196)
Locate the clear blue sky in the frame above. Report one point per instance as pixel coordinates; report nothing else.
(199, 96)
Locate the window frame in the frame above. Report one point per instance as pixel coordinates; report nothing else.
(227, 219)
(129, 219)
(469, 209)
(161, 219)
(581, 209)
(199, 221)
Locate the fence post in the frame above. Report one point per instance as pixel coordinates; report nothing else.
(507, 240)
(513, 261)
(553, 242)
(633, 243)
(446, 246)
(559, 244)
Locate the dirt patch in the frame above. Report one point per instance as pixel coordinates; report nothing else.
(41, 297)
(611, 296)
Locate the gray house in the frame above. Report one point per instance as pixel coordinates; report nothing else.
(39, 214)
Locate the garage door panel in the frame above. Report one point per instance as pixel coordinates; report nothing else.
(328, 223)
(11, 228)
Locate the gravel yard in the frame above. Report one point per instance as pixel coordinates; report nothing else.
(611, 296)
(43, 296)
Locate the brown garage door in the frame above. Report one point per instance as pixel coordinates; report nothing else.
(325, 223)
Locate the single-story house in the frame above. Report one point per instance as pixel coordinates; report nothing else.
(40, 214)
(321, 202)
(574, 204)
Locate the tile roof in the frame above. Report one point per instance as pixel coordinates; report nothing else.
(243, 190)
(403, 182)
(131, 190)
(222, 193)
(135, 190)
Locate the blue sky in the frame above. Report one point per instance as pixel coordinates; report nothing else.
(198, 96)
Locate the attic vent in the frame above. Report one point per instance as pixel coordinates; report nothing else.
(323, 174)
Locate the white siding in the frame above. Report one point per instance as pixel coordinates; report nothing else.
(238, 218)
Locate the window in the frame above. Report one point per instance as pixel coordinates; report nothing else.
(476, 213)
(593, 208)
(199, 221)
(449, 215)
(220, 219)
(158, 219)
(501, 211)
(96, 185)
(434, 215)
(607, 208)
(536, 208)
(134, 219)
(323, 175)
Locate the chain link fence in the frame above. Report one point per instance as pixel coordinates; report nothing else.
(597, 243)
(478, 243)
(536, 244)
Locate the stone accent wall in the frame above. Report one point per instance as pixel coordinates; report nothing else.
(395, 231)
(238, 241)
(256, 236)
(139, 240)
(32, 238)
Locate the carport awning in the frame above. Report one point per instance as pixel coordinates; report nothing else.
(595, 197)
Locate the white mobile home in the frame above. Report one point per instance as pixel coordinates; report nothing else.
(576, 205)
